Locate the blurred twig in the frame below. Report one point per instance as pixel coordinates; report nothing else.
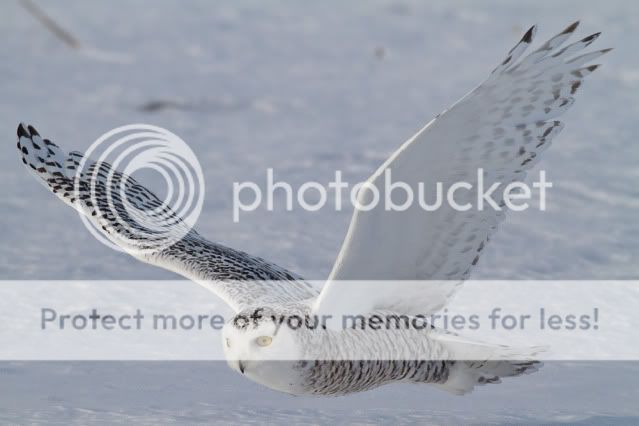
(50, 24)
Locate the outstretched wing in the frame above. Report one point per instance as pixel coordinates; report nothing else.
(137, 221)
(501, 127)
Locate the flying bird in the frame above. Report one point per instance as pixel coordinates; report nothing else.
(501, 127)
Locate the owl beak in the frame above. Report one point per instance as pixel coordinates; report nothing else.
(242, 366)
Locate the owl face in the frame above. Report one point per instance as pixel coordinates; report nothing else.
(256, 346)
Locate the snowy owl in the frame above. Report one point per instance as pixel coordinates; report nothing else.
(502, 126)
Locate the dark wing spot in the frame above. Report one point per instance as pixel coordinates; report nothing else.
(527, 38)
(33, 131)
(22, 132)
(591, 38)
(547, 132)
(572, 27)
(574, 87)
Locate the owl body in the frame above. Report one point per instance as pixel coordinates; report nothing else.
(313, 360)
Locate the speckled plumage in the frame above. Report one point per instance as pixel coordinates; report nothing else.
(502, 126)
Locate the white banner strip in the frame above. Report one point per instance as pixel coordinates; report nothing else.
(179, 320)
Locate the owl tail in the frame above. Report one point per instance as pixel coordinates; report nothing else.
(482, 363)
(465, 375)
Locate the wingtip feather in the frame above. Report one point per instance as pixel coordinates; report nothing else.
(530, 34)
(33, 131)
(22, 131)
(591, 38)
(26, 130)
(571, 28)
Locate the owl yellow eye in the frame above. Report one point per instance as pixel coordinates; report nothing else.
(264, 340)
(228, 342)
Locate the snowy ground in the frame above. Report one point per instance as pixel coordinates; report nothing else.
(298, 87)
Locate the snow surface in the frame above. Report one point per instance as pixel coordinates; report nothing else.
(298, 87)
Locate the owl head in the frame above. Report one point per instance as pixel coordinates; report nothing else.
(259, 344)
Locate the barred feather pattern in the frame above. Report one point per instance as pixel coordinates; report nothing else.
(240, 279)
